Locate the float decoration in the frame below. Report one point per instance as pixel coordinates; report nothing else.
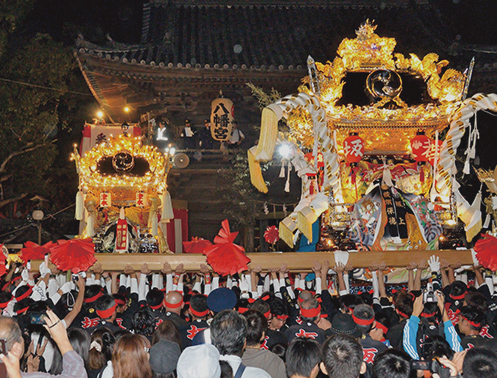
(76, 255)
(225, 257)
(388, 110)
(33, 251)
(486, 252)
(124, 186)
(196, 245)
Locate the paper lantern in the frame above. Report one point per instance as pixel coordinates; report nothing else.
(353, 147)
(222, 116)
(420, 146)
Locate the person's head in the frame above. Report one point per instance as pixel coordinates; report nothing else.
(392, 363)
(431, 313)
(303, 357)
(310, 310)
(436, 346)
(380, 329)
(279, 313)
(163, 358)
(363, 316)
(121, 302)
(198, 307)
(458, 291)
(348, 302)
(155, 298)
(5, 298)
(174, 302)
(144, 321)
(256, 327)
(343, 324)
(228, 332)
(80, 342)
(200, 361)
(130, 357)
(479, 362)
(262, 306)
(100, 351)
(167, 330)
(471, 320)
(92, 293)
(105, 307)
(476, 299)
(403, 304)
(341, 357)
(234, 124)
(303, 296)
(11, 332)
(226, 370)
(280, 350)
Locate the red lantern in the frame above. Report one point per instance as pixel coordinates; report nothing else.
(353, 147)
(420, 146)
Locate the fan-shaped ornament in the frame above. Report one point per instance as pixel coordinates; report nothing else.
(76, 255)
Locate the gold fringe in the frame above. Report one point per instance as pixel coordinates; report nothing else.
(305, 218)
(287, 228)
(256, 172)
(268, 136)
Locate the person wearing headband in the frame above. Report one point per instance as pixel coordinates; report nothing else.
(310, 313)
(255, 353)
(471, 321)
(199, 312)
(105, 309)
(173, 304)
(363, 317)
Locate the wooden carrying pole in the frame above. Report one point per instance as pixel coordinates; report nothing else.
(295, 261)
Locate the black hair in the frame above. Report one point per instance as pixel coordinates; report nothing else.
(144, 321)
(278, 306)
(477, 299)
(91, 291)
(458, 288)
(366, 298)
(392, 363)
(342, 356)
(105, 302)
(382, 318)
(256, 327)
(474, 315)
(478, 363)
(228, 332)
(226, 370)
(436, 346)
(404, 303)
(364, 312)
(431, 308)
(302, 356)
(155, 297)
(80, 342)
(349, 301)
(198, 303)
(280, 350)
(260, 306)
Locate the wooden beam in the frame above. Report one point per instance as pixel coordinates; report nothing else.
(296, 261)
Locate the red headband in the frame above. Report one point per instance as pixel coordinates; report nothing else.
(199, 314)
(120, 301)
(265, 298)
(241, 310)
(425, 315)
(94, 298)
(282, 317)
(311, 312)
(174, 305)
(25, 295)
(5, 304)
(300, 299)
(382, 327)
(267, 314)
(104, 314)
(474, 324)
(403, 314)
(362, 322)
(156, 307)
(22, 310)
(458, 297)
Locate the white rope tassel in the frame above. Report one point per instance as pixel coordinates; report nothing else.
(89, 226)
(167, 206)
(282, 170)
(287, 184)
(487, 221)
(78, 215)
(155, 224)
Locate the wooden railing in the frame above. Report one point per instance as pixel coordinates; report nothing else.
(296, 261)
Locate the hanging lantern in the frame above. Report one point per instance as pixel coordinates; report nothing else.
(222, 116)
(420, 146)
(105, 199)
(353, 147)
(141, 199)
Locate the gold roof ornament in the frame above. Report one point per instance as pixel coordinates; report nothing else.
(122, 162)
(387, 124)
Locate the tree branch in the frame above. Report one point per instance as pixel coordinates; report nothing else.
(10, 200)
(25, 149)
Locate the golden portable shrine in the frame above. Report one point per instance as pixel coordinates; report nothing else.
(373, 136)
(123, 193)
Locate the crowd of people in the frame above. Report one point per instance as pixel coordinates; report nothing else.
(255, 324)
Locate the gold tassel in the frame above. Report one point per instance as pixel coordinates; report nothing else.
(268, 135)
(167, 206)
(287, 228)
(256, 172)
(305, 218)
(78, 215)
(155, 224)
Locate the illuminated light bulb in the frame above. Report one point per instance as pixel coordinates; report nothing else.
(100, 114)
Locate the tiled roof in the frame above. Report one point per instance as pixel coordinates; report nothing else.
(266, 37)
